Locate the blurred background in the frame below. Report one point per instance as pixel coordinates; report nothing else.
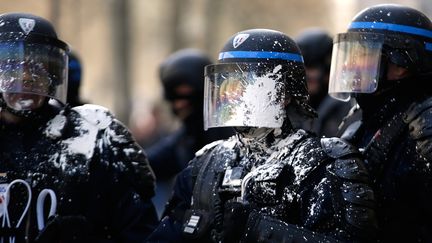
(122, 42)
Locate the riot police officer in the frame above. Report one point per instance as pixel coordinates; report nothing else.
(384, 61)
(269, 182)
(98, 178)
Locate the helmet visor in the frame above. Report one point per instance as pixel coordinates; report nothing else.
(33, 68)
(240, 94)
(355, 64)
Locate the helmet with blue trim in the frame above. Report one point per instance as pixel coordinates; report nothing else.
(33, 62)
(258, 71)
(376, 36)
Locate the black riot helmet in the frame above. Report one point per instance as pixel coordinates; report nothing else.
(184, 67)
(377, 35)
(33, 62)
(257, 71)
(316, 47)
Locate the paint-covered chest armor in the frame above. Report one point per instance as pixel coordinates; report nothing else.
(56, 155)
(299, 179)
(266, 176)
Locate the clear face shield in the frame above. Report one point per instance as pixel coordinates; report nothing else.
(355, 66)
(244, 95)
(30, 72)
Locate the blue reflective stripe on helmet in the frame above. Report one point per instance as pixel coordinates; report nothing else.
(261, 55)
(428, 46)
(391, 27)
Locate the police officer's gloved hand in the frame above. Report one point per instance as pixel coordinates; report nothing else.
(419, 120)
(236, 215)
(65, 229)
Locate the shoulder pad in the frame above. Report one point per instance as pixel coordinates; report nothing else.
(337, 147)
(209, 147)
(358, 193)
(95, 114)
(350, 169)
(416, 109)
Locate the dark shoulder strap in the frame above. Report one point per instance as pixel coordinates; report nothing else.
(200, 157)
(354, 114)
(206, 210)
(196, 166)
(205, 172)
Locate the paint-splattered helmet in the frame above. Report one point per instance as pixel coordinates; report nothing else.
(258, 70)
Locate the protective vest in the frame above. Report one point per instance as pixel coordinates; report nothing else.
(274, 183)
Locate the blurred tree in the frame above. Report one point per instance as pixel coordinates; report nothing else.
(176, 10)
(120, 41)
(211, 29)
(55, 12)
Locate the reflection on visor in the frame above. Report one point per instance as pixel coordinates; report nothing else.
(230, 96)
(30, 68)
(355, 65)
(244, 97)
(24, 77)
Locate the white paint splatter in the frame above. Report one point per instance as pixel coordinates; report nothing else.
(95, 114)
(260, 104)
(231, 142)
(208, 147)
(129, 151)
(25, 103)
(273, 164)
(315, 207)
(91, 121)
(55, 127)
(85, 143)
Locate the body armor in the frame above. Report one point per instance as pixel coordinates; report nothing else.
(276, 181)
